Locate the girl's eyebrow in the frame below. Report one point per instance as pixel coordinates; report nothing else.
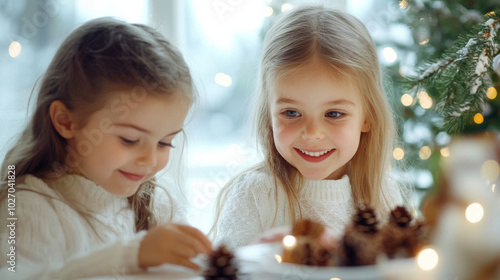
(341, 102)
(286, 100)
(174, 133)
(142, 129)
(133, 126)
(335, 102)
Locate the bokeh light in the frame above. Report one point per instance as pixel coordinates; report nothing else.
(474, 212)
(289, 241)
(278, 258)
(490, 170)
(478, 118)
(425, 152)
(424, 100)
(268, 11)
(424, 42)
(491, 93)
(223, 79)
(427, 259)
(398, 153)
(445, 152)
(15, 49)
(406, 99)
(389, 54)
(285, 7)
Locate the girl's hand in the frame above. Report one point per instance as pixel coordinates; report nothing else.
(174, 244)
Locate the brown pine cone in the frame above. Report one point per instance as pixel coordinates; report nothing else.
(355, 249)
(398, 242)
(365, 221)
(400, 217)
(221, 265)
(307, 251)
(308, 228)
(421, 230)
(358, 245)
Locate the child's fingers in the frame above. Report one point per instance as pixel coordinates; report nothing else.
(186, 250)
(184, 262)
(198, 235)
(190, 247)
(190, 264)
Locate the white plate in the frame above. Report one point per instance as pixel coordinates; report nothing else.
(261, 260)
(163, 272)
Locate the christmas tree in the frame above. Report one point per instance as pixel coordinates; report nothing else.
(462, 81)
(445, 79)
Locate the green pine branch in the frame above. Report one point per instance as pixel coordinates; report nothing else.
(459, 79)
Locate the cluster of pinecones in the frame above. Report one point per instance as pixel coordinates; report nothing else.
(361, 244)
(364, 241)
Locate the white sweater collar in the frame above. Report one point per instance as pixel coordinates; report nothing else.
(328, 190)
(87, 193)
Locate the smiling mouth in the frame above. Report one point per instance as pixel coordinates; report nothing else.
(132, 177)
(315, 156)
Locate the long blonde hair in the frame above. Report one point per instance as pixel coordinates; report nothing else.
(101, 52)
(343, 43)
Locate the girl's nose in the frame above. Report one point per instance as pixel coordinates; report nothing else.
(312, 131)
(147, 156)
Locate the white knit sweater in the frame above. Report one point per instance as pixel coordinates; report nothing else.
(53, 241)
(251, 205)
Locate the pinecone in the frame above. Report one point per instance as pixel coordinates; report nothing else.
(221, 265)
(399, 238)
(356, 249)
(401, 217)
(365, 221)
(398, 242)
(307, 251)
(309, 228)
(358, 245)
(422, 231)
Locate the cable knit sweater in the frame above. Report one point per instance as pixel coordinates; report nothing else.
(251, 204)
(53, 241)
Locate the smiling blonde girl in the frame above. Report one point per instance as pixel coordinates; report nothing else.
(324, 125)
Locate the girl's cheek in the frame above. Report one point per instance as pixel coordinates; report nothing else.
(285, 136)
(164, 160)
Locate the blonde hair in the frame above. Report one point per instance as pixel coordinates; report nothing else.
(100, 53)
(303, 36)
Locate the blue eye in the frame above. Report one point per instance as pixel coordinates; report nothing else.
(128, 141)
(334, 114)
(290, 114)
(163, 145)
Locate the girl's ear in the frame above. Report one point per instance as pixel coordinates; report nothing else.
(61, 119)
(365, 127)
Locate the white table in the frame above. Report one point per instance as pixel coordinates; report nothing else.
(257, 262)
